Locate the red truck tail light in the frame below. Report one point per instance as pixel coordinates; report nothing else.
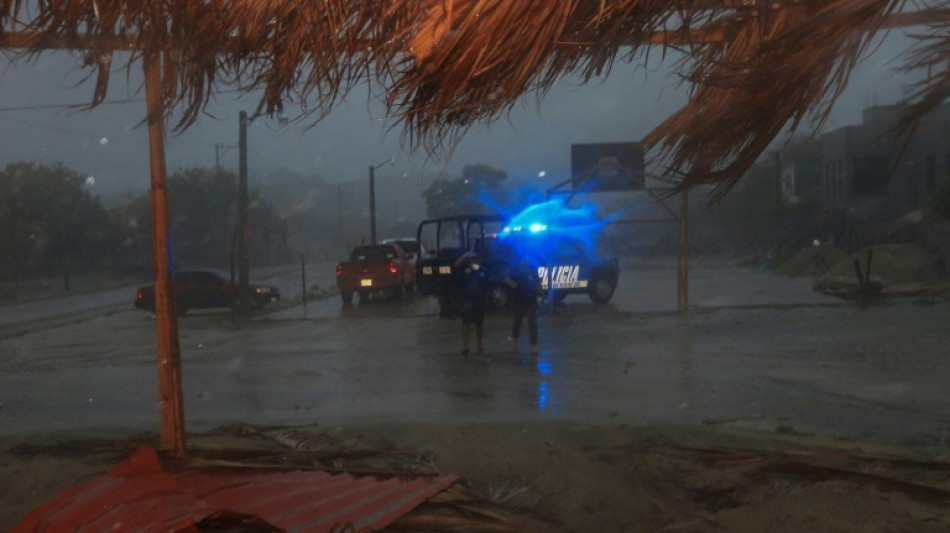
(339, 270)
(392, 267)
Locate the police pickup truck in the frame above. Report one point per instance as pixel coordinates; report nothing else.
(566, 263)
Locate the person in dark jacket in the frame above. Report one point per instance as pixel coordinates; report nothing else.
(525, 287)
(470, 299)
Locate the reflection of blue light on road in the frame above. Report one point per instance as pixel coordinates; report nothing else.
(544, 370)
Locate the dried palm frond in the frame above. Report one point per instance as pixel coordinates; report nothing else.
(458, 509)
(931, 54)
(477, 62)
(753, 66)
(770, 72)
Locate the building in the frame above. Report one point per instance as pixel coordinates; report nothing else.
(870, 177)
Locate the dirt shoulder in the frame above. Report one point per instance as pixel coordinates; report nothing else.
(566, 477)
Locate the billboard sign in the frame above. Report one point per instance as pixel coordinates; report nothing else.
(607, 167)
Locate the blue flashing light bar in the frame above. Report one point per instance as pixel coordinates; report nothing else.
(535, 227)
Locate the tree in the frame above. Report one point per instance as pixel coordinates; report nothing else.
(51, 220)
(748, 212)
(203, 225)
(478, 191)
(941, 201)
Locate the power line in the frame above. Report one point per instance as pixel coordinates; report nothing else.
(50, 128)
(67, 106)
(86, 134)
(88, 105)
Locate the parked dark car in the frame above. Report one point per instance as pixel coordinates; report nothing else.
(205, 289)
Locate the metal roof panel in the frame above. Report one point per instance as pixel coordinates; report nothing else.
(139, 495)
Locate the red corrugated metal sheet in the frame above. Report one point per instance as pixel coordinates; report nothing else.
(138, 495)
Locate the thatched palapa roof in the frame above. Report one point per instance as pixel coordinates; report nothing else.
(443, 65)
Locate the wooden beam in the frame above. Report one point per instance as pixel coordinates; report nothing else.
(705, 34)
(717, 33)
(43, 41)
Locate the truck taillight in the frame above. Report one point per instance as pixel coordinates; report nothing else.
(392, 267)
(339, 270)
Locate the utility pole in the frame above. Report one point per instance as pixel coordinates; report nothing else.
(243, 241)
(372, 205)
(682, 270)
(372, 197)
(777, 157)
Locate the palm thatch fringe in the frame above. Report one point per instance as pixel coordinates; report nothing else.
(445, 65)
(769, 73)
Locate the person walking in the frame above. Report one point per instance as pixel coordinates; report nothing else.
(470, 297)
(525, 287)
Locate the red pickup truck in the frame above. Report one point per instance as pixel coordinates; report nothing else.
(374, 269)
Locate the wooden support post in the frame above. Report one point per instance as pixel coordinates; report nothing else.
(682, 284)
(171, 406)
(303, 277)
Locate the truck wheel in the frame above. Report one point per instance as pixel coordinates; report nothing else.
(601, 290)
(346, 296)
(499, 297)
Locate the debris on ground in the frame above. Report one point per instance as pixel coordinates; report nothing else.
(884, 269)
(313, 482)
(556, 478)
(812, 261)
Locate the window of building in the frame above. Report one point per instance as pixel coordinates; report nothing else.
(930, 172)
(871, 175)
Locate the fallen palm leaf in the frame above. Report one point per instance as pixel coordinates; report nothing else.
(813, 472)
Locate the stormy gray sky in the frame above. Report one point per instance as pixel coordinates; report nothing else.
(108, 144)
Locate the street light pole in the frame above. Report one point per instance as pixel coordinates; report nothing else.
(372, 205)
(372, 197)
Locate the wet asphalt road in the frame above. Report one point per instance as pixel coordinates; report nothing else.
(756, 351)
